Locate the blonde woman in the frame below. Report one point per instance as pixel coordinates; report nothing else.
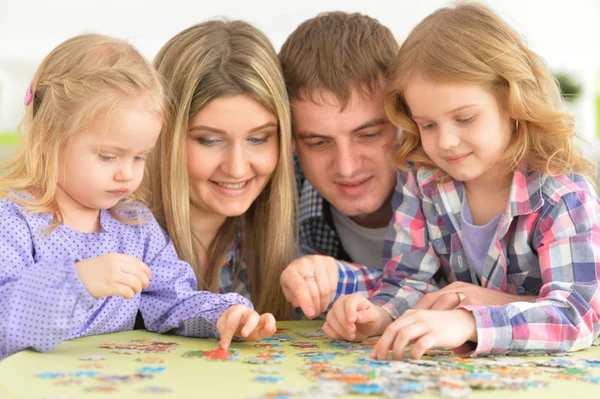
(221, 179)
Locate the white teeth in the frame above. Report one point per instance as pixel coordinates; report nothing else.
(231, 186)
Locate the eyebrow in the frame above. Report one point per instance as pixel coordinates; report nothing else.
(220, 131)
(366, 125)
(462, 107)
(120, 149)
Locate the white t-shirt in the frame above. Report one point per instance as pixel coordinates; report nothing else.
(363, 245)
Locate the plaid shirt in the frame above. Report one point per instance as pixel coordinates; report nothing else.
(547, 244)
(234, 263)
(318, 236)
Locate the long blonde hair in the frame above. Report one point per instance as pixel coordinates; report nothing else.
(204, 62)
(81, 77)
(470, 44)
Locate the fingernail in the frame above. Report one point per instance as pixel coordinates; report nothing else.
(310, 311)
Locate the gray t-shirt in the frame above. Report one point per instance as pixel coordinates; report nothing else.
(363, 245)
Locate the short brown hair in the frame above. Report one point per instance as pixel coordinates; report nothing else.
(337, 52)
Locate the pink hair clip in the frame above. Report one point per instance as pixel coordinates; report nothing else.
(28, 96)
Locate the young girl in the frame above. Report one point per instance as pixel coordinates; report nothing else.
(221, 178)
(78, 256)
(493, 194)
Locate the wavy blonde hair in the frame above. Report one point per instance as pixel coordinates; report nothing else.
(470, 44)
(80, 78)
(202, 63)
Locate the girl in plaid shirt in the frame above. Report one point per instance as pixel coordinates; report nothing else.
(492, 196)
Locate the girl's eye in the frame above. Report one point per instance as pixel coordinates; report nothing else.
(466, 120)
(140, 158)
(107, 158)
(428, 126)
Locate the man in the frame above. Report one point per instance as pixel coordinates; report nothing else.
(335, 67)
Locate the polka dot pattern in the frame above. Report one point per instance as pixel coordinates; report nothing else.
(43, 301)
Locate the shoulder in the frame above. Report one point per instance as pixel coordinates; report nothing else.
(571, 195)
(135, 215)
(566, 188)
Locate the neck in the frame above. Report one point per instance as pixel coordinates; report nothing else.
(379, 218)
(205, 226)
(490, 185)
(75, 215)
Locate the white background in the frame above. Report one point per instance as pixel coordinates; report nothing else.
(565, 33)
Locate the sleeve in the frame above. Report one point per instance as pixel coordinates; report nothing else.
(566, 315)
(354, 278)
(172, 303)
(41, 303)
(411, 262)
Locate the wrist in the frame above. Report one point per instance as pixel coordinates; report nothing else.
(384, 320)
(469, 318)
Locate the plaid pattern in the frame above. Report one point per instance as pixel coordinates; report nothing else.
(547, 244)
(317, 235)
(234, 264)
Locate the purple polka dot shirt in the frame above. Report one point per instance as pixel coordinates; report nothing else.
(43, 301)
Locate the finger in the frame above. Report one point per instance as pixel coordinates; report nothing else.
(230, 326)
(248, 322)
(300, 293)
(331, 333)
(268, 325)
(386, 341)
(447, 301)
(352, 305)
(129, 280)
(137, 269)
(323, 286)
(423, 344)
(405, 336)
(120, 289)
(313, 289)
(340, 330)
(427, 301)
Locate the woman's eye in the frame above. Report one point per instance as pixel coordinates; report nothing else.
(208, 142)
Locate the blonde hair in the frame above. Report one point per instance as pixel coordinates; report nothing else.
(470, 44)
(337, 52)
(80, 78)
(202, 63)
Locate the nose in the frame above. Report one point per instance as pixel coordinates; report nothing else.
(348, 159)
(236, 165)
(448, 138)
(125, 172)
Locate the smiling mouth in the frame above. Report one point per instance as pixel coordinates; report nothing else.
(358, 183)
(458, 157)
(231, 186)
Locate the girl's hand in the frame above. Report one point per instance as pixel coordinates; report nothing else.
(426, 329)
(114, 274)
(448, 298)
(355, 318)
(245, 323)
(310, 282)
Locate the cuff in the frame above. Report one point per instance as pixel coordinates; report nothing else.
(494, 329)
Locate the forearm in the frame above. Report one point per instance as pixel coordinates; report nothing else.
(43, 307)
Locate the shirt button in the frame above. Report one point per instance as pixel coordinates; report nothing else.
(438, 244)
(520, 290)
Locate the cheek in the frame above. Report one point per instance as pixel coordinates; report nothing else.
(266, 160)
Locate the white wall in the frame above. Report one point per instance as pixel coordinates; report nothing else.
(566, 33)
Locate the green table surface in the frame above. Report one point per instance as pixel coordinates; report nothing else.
(198, 377)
